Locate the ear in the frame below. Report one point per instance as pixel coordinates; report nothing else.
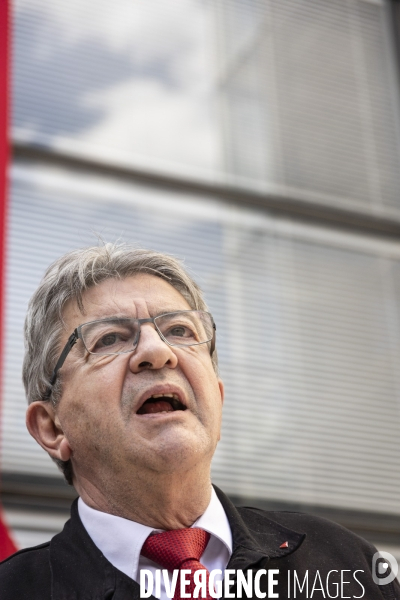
(43, 425)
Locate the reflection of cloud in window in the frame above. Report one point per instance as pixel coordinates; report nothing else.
(136, 77)
(155, 119)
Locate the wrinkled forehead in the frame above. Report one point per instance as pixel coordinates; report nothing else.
(137, 296)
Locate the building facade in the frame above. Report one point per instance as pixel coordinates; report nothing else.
(260, 141)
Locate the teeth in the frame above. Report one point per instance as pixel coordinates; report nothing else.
(174, 401)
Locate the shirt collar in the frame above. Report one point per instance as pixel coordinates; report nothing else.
(215, 521)
(121, 540)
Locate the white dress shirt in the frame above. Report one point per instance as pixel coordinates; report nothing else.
(121, 540)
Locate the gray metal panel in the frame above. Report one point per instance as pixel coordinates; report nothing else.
(308, 333)
(308, 91)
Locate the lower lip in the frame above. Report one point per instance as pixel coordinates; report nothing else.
(161, 415)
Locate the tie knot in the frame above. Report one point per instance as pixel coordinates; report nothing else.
(171, 549)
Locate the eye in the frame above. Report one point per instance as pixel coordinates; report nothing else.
(111, 336)
(108, 340)
(112, 341)
(179, 331)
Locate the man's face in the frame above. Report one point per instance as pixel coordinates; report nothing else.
(102, 411)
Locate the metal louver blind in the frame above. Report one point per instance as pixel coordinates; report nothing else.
(318, 360)
(308, 333)
(310, 98)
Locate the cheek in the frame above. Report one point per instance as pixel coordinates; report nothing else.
(196, 362)
(204, 378)
(204, 389)
(204, 382)
(99, 381)
(91, 430)
(89, 409)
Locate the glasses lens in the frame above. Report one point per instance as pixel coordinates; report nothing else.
(186, 328)
(111, 336)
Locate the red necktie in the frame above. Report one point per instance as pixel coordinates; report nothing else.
(179, 549)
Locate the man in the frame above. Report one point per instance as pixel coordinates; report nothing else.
(121, 376)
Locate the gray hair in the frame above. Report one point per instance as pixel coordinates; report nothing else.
(67, 279)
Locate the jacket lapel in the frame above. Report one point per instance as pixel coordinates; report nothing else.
(79, 569)
(256, 537)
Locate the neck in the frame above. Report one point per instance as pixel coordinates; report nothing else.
(162, 501)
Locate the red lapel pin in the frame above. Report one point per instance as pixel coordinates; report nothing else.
(284, 545)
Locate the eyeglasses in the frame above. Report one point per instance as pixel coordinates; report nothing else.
(121, 335)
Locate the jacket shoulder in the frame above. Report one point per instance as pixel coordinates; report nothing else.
(325, 543)
(26, 574)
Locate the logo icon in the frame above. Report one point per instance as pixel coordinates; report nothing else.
(384, 568)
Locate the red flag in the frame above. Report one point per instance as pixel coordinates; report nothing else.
(7, 545)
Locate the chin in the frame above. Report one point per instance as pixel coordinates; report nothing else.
(180, 452)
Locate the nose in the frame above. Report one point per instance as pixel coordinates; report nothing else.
(152, 352)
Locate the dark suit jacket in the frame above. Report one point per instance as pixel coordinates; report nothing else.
(71, 567)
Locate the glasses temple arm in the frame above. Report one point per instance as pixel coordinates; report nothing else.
(212, 345)
(73, 338)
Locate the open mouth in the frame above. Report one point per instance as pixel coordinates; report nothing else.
(161, 403)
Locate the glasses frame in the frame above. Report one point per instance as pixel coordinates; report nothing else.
(77, 334)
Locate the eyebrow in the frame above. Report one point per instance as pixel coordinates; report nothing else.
(122, 315)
